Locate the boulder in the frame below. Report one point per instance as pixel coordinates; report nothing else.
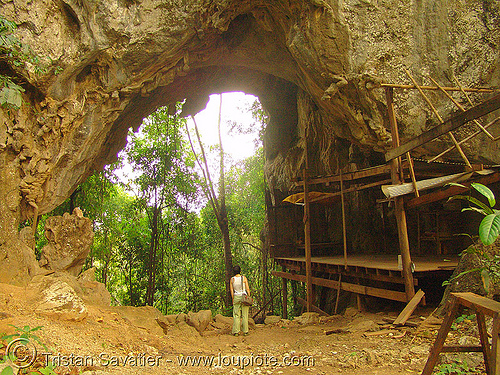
(19, 266)
(199, 320)
(69, 240)
(272, 319)
(308, 318)
(164, 323)
(86, 287)
(60, 301)
(93, 291)
(182, 317)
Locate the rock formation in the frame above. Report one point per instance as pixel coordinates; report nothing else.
(70, 238)
(315, 65)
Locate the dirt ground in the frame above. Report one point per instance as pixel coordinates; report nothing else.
(126, 340)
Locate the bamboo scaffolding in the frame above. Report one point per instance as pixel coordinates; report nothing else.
(467, 139)
(412, 174)
(462, 108)
(454, 140)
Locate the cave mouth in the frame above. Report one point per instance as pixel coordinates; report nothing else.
(277, 96)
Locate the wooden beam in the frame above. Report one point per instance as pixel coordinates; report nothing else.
(363, 173)
(315, 308)
(307, 242)
(409, 308)
(454, 122)
(348, 287)
(450, 191)
(284, 296)
(399, 210)
(344, 229)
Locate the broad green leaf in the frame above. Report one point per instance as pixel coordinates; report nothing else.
(7, 371)
(487, 210)
(485, 191)
(489, 229)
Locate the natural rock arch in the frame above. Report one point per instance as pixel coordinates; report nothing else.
(311, 62)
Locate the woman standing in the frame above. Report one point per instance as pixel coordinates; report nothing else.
(239, 287)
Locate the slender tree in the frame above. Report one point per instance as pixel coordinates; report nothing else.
(218, 203)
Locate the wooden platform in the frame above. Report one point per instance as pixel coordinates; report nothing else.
(362, 270)
(377, 262)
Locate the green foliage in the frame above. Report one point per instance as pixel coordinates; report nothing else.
(455, 368)
(489, 229)
(183, 247)
(27, 334)
(24, 333)
(18, 54)
(464, 318)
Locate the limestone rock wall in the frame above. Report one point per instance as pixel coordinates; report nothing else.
(313, 63)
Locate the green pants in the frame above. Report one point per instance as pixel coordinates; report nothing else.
(240, 315)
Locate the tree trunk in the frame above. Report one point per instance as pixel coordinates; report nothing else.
(150, 292)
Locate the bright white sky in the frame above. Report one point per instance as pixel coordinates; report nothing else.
(235, 108)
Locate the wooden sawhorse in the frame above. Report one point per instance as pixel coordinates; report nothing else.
(482, 306)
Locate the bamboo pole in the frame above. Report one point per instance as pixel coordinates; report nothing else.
(454, 140)
(412, 174)
(467, 139)
(460, 106)
(404, 244)
(338, 294)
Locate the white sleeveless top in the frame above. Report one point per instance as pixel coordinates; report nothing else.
(239, 285)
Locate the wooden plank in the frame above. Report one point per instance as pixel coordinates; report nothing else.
(454, 122)
(483, 336)
(452, 309)
(350, 176)
(315, 308)
(495, 348)
(461, 349)
(479, 303)
(409, 308)
(450, 191)
(284, 300)
(348, 287)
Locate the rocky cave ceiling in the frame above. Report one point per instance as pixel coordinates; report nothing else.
(312, 63)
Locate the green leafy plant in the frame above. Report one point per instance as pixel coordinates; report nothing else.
(489, 229)
(18, 54)
(461, 319)
(456, 368)
(24, 333)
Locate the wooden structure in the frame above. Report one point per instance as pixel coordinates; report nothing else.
(312, 258)
(482, 307)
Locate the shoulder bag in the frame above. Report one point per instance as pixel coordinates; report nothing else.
(246, 300)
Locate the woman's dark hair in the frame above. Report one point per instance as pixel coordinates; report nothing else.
(236, 270)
